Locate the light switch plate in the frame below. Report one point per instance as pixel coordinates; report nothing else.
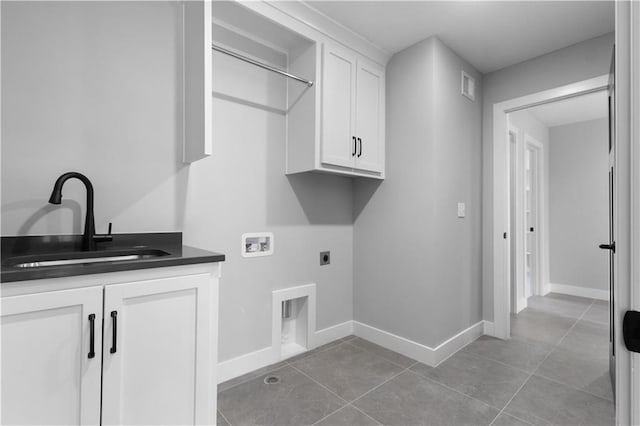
(461, 209)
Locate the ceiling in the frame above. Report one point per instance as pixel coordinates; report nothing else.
(489, 34)
(572, 110)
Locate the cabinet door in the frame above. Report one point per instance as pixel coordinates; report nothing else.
(48, 374)
(338, 107)
(370, 117)
(158, 353)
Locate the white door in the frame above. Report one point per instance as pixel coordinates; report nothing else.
(532, 160)
(338, 107)
(153, 370)
(369, 116)
(50, 363)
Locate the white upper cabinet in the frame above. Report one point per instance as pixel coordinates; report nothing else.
(351, 141)
(370, 116)
(334, 124)
(338, 146)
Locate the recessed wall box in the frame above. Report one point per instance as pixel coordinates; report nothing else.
(468, 84)
(257, 244)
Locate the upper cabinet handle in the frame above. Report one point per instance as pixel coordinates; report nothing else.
(92, 335)
(355, 146)
(360, 141)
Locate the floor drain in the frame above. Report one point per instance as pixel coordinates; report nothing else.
(272, 380)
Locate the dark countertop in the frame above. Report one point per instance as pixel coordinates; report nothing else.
(27, 249)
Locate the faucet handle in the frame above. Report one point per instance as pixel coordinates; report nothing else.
(99, 238)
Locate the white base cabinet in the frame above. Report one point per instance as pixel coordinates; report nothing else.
(156, 353)
(48, 373)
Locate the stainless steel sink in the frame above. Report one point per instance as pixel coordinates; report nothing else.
(82, 258)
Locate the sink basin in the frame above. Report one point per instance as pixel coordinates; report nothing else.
(82, 258)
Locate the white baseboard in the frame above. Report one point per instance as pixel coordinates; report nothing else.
(415, 350)
(488, 328)
(244, 364)
(332, 333)
(591, 293)
(247, 363)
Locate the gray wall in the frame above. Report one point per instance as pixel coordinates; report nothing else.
(242, 188)
(579, 62)
(91, 87)
(95, 87)
(416, 265)
(579, 204)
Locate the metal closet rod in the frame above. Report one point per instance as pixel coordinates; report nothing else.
(261, 65)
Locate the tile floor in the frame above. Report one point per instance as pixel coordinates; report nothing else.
(554, 370)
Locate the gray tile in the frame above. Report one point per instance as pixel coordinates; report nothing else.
(296, 400)
(348, 416)
(385, 353)
(480, 378)
(543, 402)
(581, 370)
(410, 399)
(506, 420)
(598, 313)
(221, 421)
(587, 338)
(516, 353)
(540, 327)
(347, 370)
(562, 305)
(249, 376)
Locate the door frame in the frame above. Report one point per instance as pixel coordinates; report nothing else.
(501, 196)
(628, 129)
(515, 185)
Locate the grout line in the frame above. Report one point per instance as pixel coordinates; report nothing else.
(572, 387)
(356, 408)
(545, 358)
(330, 414)
(225, 419)
(376, 387)
(453, 390)
(486, 358)
(510, 415)
(318, 383)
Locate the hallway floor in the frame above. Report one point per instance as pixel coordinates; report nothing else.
(554, 370)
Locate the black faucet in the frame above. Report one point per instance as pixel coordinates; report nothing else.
(89, 237)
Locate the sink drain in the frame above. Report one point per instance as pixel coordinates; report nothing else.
(272, 380)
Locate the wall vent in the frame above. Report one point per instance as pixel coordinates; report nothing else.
(468, 86)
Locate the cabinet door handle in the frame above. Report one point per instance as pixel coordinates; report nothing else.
(92, 335)
(355, 146)
(114, 320)
(360, 141)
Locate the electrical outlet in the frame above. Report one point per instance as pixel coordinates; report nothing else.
(325, 257)
(461, 210)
